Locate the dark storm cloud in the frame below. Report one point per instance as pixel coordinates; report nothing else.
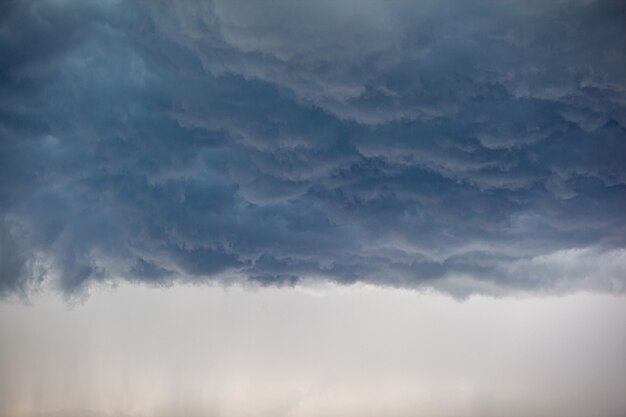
(469, 148)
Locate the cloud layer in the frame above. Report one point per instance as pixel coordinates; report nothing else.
(466, 148)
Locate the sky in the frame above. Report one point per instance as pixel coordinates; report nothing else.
(454, 170)
(310, 351)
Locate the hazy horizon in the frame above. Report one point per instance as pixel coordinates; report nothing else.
(317, 350)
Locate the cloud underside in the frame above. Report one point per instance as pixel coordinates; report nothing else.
(465, 148)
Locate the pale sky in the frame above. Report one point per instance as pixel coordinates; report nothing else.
(318, 350)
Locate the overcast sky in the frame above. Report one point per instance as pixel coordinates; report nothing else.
(470, 151)
(355, 351)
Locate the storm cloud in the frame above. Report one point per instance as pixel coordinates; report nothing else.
(466, 147)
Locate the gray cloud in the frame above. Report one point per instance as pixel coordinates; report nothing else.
(469, 148)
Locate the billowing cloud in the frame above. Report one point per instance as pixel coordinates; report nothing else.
(466, 148)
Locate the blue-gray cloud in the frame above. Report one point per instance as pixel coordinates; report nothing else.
(468, 148)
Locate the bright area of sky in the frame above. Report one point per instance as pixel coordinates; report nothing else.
(312, 351)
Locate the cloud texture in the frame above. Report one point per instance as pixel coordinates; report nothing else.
(466, 147)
